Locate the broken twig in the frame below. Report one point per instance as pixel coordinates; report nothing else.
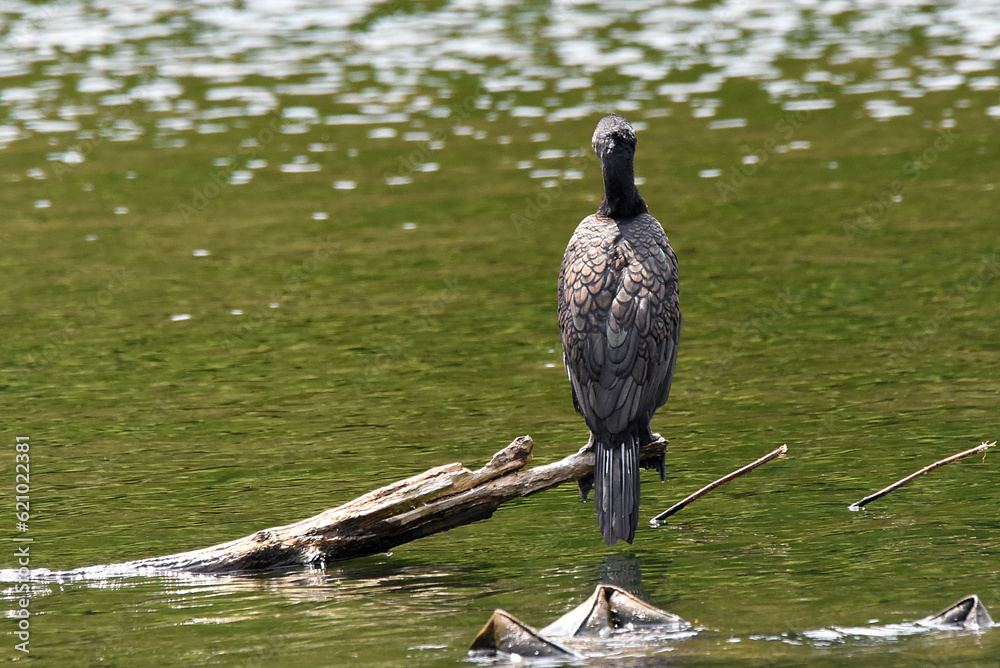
(913, 476)
(658, 520)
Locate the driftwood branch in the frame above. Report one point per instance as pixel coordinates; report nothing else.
(658, 520)
(439, 499)
(913, 476)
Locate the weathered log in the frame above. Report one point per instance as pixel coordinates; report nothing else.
(436, 500)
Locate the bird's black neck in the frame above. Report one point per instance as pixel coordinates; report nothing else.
(621, 197)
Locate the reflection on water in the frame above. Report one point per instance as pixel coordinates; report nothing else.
(192, 66)
(373, 597)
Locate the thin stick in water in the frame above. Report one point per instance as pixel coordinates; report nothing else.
(658, 520)
(913, 476)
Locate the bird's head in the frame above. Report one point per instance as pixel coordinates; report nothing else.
(613, 136)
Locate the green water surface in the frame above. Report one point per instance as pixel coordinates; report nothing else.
(818, 312)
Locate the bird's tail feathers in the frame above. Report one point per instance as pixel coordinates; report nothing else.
(616, 487)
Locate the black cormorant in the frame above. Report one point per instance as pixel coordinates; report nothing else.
(620, 321)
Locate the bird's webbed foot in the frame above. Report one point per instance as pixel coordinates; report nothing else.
(586, 483)
(659, 464)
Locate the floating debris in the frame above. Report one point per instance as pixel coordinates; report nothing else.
(505, 634)
(968, 614)
(608, 613)
(179, 317)
(611, 609)
(201, 252)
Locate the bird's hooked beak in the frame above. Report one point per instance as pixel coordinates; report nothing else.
(604, 146)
